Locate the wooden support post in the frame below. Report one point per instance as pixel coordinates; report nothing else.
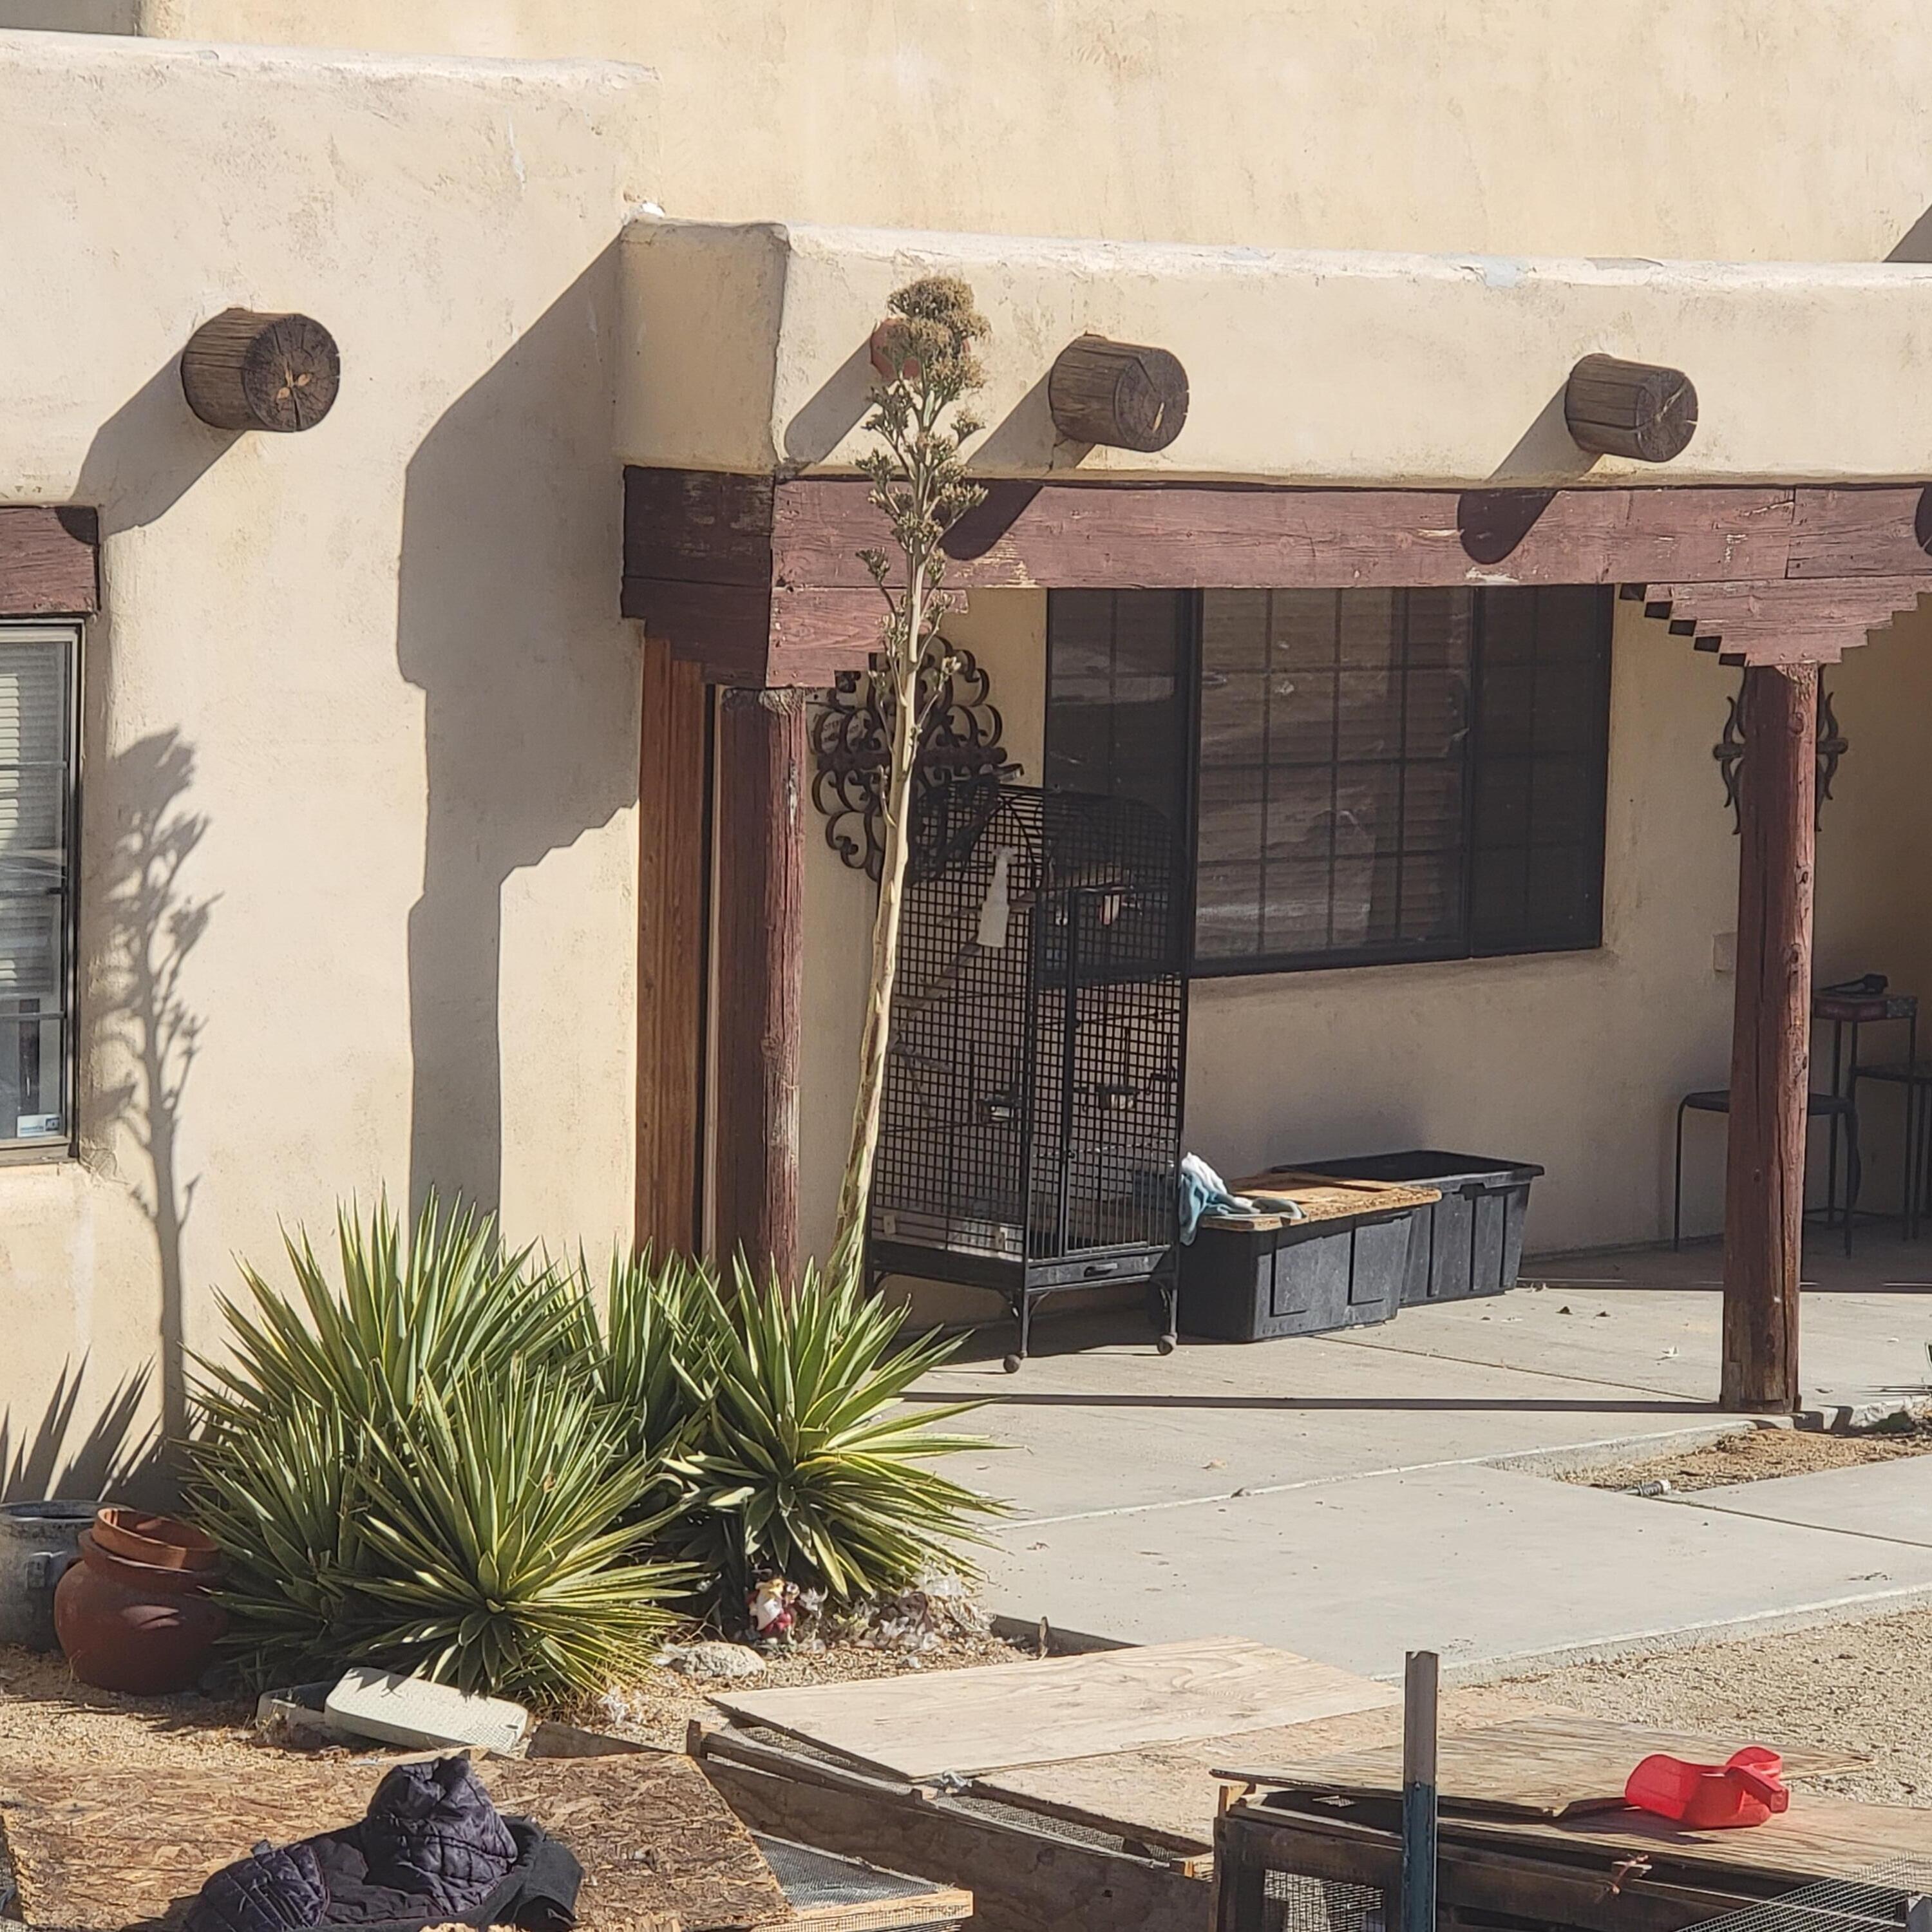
(761, 746)
(1419, 1689)
(1764, 1191)
(673, 918)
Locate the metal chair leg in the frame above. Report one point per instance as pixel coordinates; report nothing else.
(1854, 1175)
(1677, 1202)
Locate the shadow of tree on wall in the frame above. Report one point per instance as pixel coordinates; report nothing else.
(507, 621)
(147, 926)
(114, 1457)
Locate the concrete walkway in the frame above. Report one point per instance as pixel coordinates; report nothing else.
(1341, 1495)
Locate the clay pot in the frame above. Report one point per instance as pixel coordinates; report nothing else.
(138, 1627)
(160, 1540)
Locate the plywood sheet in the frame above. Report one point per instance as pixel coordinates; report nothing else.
(1544, 1767)
(1820, 1837)
(101, 1851)
(109, 1849)
(658, 1847)
(1166, 1796)
(1004, 1715)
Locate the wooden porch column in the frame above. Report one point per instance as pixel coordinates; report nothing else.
(761, 747)
(673, 907)
(1764, 1191)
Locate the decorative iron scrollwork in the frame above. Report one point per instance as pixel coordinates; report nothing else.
(1729, 750)
(852, 746)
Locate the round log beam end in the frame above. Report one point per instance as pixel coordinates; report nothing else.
(1124, 394)
(246, 370)
(1640, 410)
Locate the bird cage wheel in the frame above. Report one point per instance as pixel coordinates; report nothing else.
(1011, 1365)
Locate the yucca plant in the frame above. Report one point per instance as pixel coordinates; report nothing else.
(281, 1497)
(805, 1464)
(503, 1525)
(652, 1348)
(411, 1464)
(450, 1303)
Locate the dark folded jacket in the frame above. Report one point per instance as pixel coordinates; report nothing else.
(432, 1850)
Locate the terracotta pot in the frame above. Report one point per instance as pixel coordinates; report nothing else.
(160, 1540)
(138, 1627)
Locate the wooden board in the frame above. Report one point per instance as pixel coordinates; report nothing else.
(1167, 1796)
(917, 1726)
(656, 1841)
(101, 1851)
(1320, 1197)
(1543, 1767)
(109, 1850)
(49, 560)
(674, 916)
(1021, 1880)
(1820, 1837)
(761, 582)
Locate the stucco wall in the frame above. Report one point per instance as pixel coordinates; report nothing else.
(360, 766)
(1693, 128)
(747, 352)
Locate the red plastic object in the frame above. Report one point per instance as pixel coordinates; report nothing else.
(1746, 1790)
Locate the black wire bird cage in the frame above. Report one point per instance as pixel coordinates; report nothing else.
(1030, 1140)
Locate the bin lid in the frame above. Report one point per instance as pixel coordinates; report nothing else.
(1320, 1197)
(1431, 1166)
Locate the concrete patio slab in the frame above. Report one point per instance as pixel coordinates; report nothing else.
(1889, 1501)
(1342, 1495)
(1489, 1567)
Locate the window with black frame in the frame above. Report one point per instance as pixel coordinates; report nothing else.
(1369, 775)
(38, 667)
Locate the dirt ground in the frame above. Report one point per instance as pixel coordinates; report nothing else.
(1865, 1686)
(1753, 1456)
(46, 1717)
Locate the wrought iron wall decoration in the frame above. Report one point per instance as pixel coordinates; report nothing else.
(1729, 750)
(852, 747)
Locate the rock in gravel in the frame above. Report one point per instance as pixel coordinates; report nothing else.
(713, 1663)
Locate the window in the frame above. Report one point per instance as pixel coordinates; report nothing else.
(38, 729)
(1371, 775)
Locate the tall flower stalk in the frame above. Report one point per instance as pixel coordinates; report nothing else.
(926, 356)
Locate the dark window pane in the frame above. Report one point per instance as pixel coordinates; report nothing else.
(1115, 714)
(1380, 774)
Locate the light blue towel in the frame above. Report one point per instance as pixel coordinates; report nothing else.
(1204, 1191)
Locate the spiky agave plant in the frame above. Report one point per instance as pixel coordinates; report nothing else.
(335, 1392)
(503, 1522)
(806, 1464)
(653, 1346)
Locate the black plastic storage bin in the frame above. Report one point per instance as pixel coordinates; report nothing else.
(1247, 1284)
(1471, 1242)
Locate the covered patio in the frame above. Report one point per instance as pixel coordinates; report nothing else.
(1351, 422)
(1393, 1486)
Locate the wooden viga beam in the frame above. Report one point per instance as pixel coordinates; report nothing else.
(1795, 622)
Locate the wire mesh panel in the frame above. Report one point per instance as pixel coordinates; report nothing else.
(1032, 1111)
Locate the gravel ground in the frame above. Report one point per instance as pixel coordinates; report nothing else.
(47, 1717)
(1752, 1456)
(1865, 1686)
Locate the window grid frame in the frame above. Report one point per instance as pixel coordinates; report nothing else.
(1429, 952)
(15, 1150)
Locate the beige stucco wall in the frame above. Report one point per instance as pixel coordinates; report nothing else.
(360, 734)
(1790, 129)
(747, 346)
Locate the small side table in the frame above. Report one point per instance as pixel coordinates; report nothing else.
(1849, 1013)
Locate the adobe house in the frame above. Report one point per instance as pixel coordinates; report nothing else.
(422, 794)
